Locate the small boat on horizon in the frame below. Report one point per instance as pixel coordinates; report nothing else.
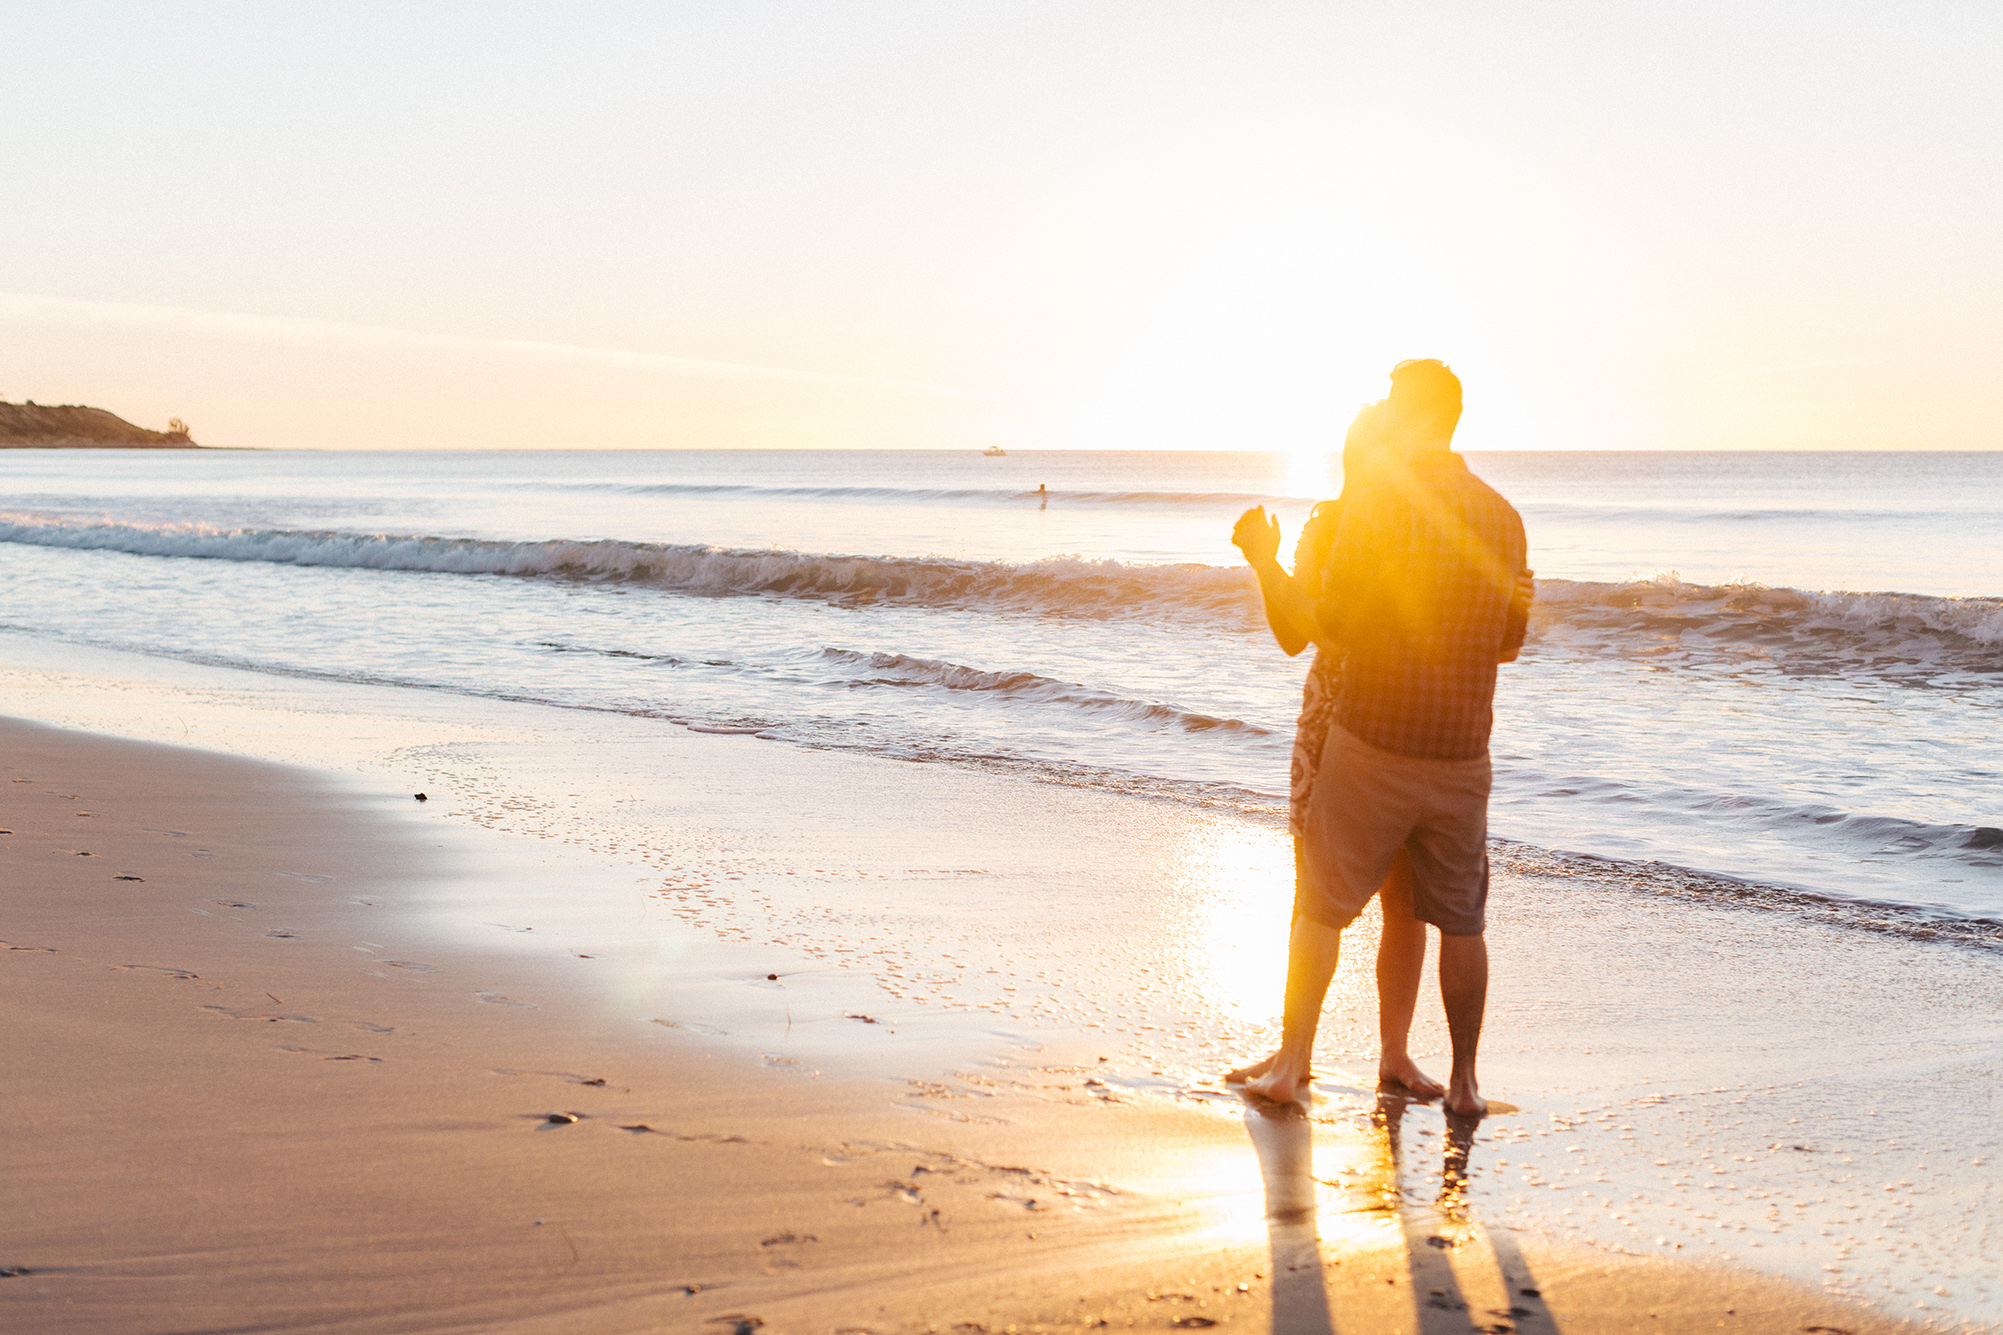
(995, 452)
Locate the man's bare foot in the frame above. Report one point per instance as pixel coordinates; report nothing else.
(1463, 1100)
(1403, 1072)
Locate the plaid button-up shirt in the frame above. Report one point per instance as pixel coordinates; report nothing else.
(1420, 591)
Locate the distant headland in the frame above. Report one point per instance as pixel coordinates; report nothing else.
(71, 426)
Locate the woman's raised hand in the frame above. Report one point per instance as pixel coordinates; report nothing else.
(1257, 534)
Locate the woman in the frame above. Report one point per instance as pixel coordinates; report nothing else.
(1290, 599)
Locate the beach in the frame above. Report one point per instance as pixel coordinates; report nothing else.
(678, 668)
(891, 839)
(281, 1081)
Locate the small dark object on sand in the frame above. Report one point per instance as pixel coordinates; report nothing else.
(420, 797)
(599, 1081)
(866, 1019)
(1444, 1244)
(739, 1325)
(561, 1119)
(1531, 1293)
(637, 1126)
(771, 977)
(14, 1271)
(128, 878)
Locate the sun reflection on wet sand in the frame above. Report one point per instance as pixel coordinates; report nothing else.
(1237, 945)
(1226, 950)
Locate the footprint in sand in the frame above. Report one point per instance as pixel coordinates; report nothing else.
(250, 1014)
(496, 999)
(412, 966)
(327, 1056)
(783, 1251)
(232, 903)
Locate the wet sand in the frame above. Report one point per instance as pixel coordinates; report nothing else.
(250, 1084)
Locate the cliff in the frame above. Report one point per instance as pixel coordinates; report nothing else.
(73, 426)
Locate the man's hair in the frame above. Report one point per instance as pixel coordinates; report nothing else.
(1425, 390)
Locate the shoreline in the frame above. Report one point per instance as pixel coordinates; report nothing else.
(341, 1187)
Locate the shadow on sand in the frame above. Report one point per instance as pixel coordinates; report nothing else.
(1441, 1239)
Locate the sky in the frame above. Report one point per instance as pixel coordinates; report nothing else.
(1750, 225)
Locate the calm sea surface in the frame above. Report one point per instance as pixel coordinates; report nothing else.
(1784, 668)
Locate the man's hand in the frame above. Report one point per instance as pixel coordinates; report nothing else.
(1257, 534)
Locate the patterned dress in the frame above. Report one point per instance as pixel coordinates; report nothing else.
(1324, 675)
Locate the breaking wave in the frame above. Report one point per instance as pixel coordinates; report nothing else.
(1063, 585)
(1890, 635)
(1893, 635)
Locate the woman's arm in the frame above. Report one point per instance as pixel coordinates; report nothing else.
(1514, 630)
(1289, 610)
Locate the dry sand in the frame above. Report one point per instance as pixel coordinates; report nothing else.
(232, 1104)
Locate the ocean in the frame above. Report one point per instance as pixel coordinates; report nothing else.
(1782, 671)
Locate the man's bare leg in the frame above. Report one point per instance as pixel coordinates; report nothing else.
(1401, 961)
(1312, 951)
(1464, 991)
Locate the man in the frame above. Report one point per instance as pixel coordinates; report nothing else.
(1426, 591)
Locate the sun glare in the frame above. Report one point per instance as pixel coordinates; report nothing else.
(1273, 304)
(1243, 884)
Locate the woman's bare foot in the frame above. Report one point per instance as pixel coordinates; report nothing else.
(1463, 1100)
(1274, 1079)
(1252, 1072)
(1403, 1072)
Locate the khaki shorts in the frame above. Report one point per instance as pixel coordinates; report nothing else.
(1366, 805)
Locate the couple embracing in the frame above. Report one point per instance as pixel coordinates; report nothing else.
(1412, 586)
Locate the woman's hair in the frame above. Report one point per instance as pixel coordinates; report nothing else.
(1365, 438)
